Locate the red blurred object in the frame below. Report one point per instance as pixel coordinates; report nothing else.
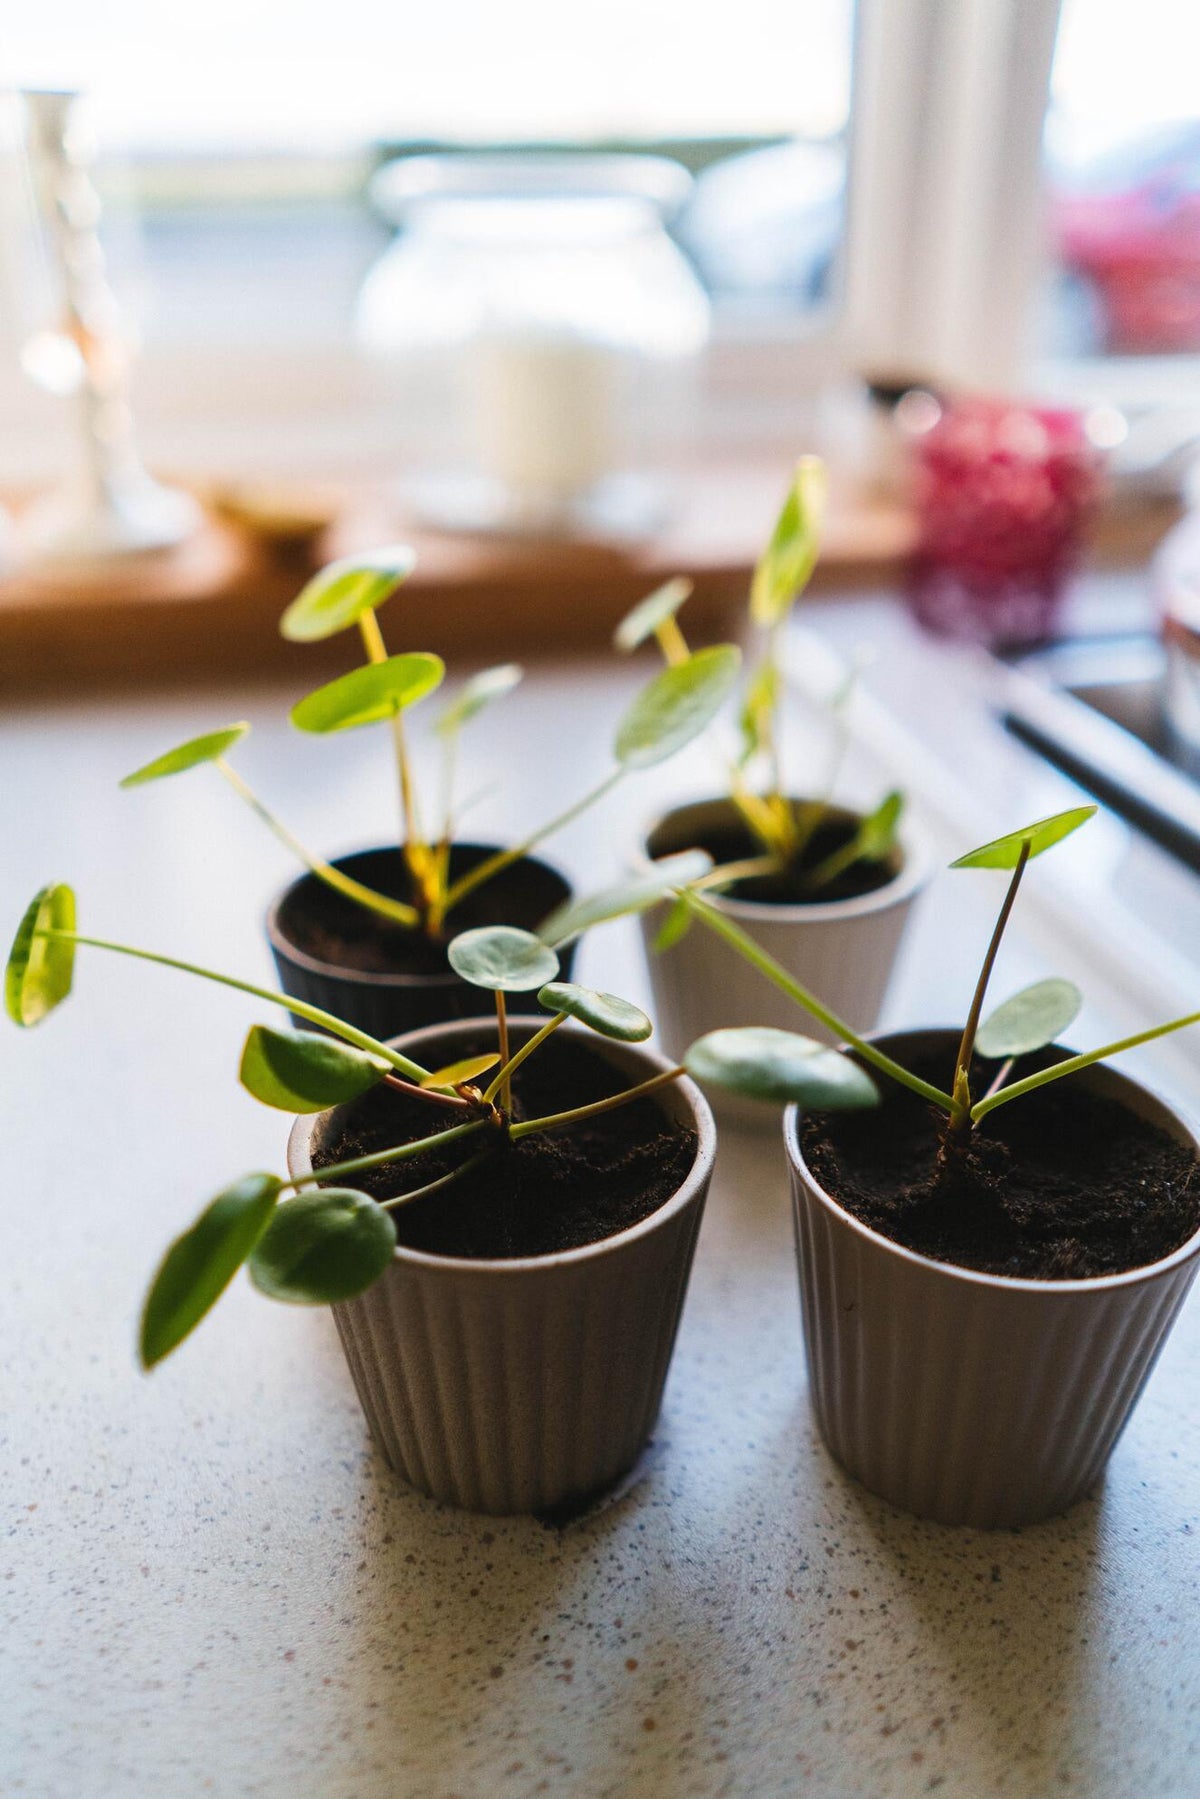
(1003, 494)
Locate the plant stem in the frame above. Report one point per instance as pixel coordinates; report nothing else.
(502, 1035)
(1073, 1064)
(672, 642)
(531, 1125)
(432, 1094)
(301, 1008)
(484, 871)
(503, 1076)
(758, 958)
(376, 650)
(396, 910)
(399, 1153)
(1000, 1076)
(445, 1180)
(744, 870)
(962, 1113)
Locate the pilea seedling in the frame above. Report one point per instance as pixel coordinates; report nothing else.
(1030, 1020)
(328, 1241)
(663, 718)
(783, 828)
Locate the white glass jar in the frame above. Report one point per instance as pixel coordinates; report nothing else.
(544, 334)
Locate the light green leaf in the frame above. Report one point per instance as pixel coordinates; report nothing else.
(788, 561)
(340, 594)
(674, 928)
(603, 1012)
(646, 617)
(39, 971)
(322, 1247)
(766, 1064)
(188, 755)
(1036, 1016)
(201, 1263)
(366, 695)
(676, 706)
(490, 684)
(454, 1074)
(301, 1072)
(876, 833)
(502, 959)
(576, 916)
(758, 709)
(1005, 852)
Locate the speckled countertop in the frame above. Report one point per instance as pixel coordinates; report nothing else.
(212, 1585)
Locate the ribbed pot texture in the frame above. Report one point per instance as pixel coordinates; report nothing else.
(387, 1004)
(525, 1385)
(843, 951)
(964, 1397)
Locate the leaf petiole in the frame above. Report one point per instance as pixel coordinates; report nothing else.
(381, 1157)
(528, 1126)
(1073, 1064)
(503, 1076)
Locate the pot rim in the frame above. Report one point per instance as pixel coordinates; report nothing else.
(698, 1176)
(1097, 1283)
(913, 874)
(279, 940)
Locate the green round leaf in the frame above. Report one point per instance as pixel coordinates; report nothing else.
(603, 1012)
(502, 959)
(646, 617)
(1005, 852)
(766, 1064)
(1030, 1019)
(301, 1072)
(454, 1074)
(188, 755)
(340, 594)
(575, 916)
(676, 706)
(490, 684)
(376, 691)
(789, 559)
(323, 1246)
(39, 971)
(201, 1263)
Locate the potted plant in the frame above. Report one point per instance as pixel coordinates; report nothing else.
(504, 1235)
(991, 1260)
(825, 890)
(365, 936)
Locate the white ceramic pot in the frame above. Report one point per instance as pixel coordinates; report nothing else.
(842, 950)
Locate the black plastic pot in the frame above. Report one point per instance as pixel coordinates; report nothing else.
(387, 1002)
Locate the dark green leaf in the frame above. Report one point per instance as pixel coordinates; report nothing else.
(766, 1064)
(339, 595)
(789, 559)
(188, 755)
(39, 971)
(201, 1263)
(646, 617)
(322, 1247)
(366, 695)
(302, 1072)
(603, 1012)
(502, 959)
(1005, 852)
(676, 706)
(1030, 1019)
(490, 684)
(576, 916)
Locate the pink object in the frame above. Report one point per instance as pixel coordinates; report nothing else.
(1003, 493)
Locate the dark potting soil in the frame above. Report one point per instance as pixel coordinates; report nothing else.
(553, 1191)
(1063, 1184)
(791, 887)
(331, 928)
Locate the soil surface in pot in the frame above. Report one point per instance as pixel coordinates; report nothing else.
(553, 1191)
(331, 928)
(1064, 1184)
(791, 886)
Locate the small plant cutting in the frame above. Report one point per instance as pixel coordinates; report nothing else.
(770, 846)
(321, 1237)
(393, 911)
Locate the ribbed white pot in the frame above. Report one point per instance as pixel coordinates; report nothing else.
(528, 1384)
(842, 950)
(964, 1397)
